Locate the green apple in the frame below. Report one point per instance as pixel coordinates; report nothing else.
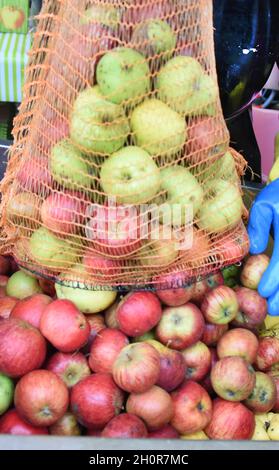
(6, 392)
(68, 167)
(273, 429)
(86, 300)
(204, 100)
(50, 251)
(123, 76)
(154, 38)
(97, 125)
(130, 175)
(158, 129)
(223, 167)
(107, 15)
(222, 208)
(260, 433)
(182, 190)
(160, 251)
(20, 285)
(183, 84)
(11, 17)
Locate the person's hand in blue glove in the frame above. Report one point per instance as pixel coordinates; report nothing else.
(265, 214)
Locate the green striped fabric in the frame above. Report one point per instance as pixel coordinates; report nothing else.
(13, 59)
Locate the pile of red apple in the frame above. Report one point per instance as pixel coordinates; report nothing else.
(177, 363)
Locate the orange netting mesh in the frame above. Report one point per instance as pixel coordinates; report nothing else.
(121, 170)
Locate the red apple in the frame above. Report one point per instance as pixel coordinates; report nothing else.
(180, 327)
(253, 269)
(212, 333)
(6, 306)
(13, 264)
(66, 426)
(125, 426)
(230, 421)
(268, 353)
(41, 397)
(136, 368)
(192, 408)
(97, 324)
(64, 213)
(252, 308)
(3, 280)
(5, 265)
(93, 432)
(105, 349)
(198, 361)
(220, 306)
(275, 377)
(199, 252)
(12, 423)
(100, 267)
(52, 131)
(31, 308)
(34, 175)
(199, 290)
(138, 312)
(238, 342)
(47, 287)
(233, 378)
(202, 142)
(176, 295)
(22, 347)
(233, 246)
(166, 432)
(71, 368)
(3, 292)
(172, 366)
(214, 280)
(65, 327)
(203, 286)
(263, 396)
(110, 316)
(95, 400)
(154, 407)
(114, 231)
(206, 381)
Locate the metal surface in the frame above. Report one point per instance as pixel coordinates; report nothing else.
(90, 443)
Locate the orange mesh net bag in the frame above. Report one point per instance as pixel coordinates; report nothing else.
(121, 173)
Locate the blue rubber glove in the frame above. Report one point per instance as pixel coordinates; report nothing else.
(263, 215)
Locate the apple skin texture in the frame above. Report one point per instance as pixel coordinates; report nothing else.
(130, 175)
(123, 76)
(184, 86)
(182, 188)
(97, 125)
(107, 15)
(68, 167)
(158, 129)
(86, 300)
(51, 251)
(154, 37)
(222, 208)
